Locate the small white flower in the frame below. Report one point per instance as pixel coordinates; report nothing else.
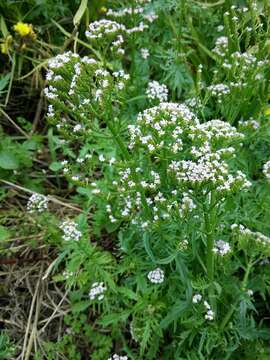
(221, 247)
(206, 305)
(112, 160)
(157, 91)
(97, 291)
(118, 357)
(156, 276)
(101, 158)
(196, 298)
(77, 128)
(266, 170)
(70, 231)
(37, 203)
(145, 53)
(209, 315)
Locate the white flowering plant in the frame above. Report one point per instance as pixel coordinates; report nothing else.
(160, 136)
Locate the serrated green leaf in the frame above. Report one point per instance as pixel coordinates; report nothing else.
(114, 318)
(178, 309)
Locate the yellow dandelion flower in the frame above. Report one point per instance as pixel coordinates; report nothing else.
(24, 29)
(267, 111)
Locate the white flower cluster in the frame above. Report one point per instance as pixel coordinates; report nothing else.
(71, 93)
(162, 126)
(266, 170)
(209, 312)
(100, 28)
(197, 298)
(125, 11)
(77, 72)
(128, 11)
(68, 274)
(173, 129)
(116, 45)
(221, 247)
(145, 53)
(58, 61)
(118, 357)
(216, 130)
(255, 235)
(239, 66)
(156, 276)
(219, 91)
(37, 203)
(248, 124)
(70, 231)
(187, 204)
(209, 169)
(221, 46)
(194, 104)
(157, 91)
(97, 291)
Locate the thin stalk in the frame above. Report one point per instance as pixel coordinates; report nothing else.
(243, 288)
(119, 141)
(210, 219)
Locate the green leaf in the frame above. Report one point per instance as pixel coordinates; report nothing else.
(8, 161)
(4, 234)
(114, 318)
(128, 293)
(3, 27)
(147, 247)
(80, 12)
(4, 81)
(178, 308)
(55, 166)
(81, 305)
(149, 251)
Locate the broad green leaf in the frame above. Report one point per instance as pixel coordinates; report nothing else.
(55, 166)
(8, 161)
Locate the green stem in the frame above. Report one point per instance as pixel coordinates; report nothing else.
(210, 219)
(243, 288)
(119, 141)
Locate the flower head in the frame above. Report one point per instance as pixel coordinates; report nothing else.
(24, 29)
(156, 276)
(97, 291)
(37, 203)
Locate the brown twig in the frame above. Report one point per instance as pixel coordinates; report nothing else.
(14, 124)
(49, 197)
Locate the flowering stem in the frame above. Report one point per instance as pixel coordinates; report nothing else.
(210, 218)
(243, 288)
(119, 141)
